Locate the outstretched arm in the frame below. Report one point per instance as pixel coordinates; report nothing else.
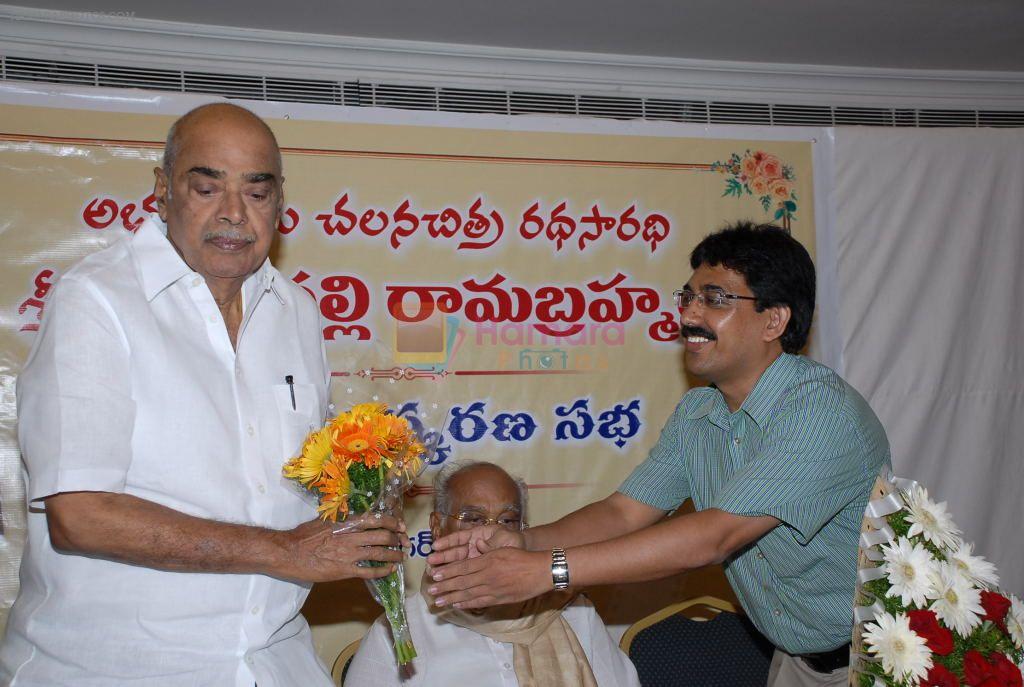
(128, 529)
(608, 518)
(507, 575)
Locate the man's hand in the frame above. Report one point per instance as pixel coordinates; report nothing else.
(315, 552)
(500, 576)
(464, 544)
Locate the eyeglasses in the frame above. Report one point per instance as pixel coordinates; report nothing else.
(471, 518)
(716, 299)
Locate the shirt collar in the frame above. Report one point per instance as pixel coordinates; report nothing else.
(774, 381)
(758, 405)
(712, 397)
(160, 265)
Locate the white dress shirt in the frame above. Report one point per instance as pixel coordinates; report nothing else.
(133, 387)
(451, 656)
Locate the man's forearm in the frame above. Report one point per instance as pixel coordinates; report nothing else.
(128, 529)
(685, 543)
(608, 518)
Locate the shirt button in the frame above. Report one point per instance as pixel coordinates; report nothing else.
(508, 666)
(777, 612)
(250, 430)
(760, 555)
(197, 281)
(736, 441)
(262, 489)
(254, 610)
(213, 318)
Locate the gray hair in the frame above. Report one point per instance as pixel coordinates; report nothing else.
(442, 497)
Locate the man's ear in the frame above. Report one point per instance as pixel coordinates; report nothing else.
(435, 525)
(280, 201)
(161, 189)
(778, 318)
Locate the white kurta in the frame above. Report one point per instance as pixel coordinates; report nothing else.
(133, 387)
(451, 655)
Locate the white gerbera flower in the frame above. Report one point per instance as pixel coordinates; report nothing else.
(974, 568)
(904, 653)
(958, 603)
(931, 520)
(1015, 621)
(911, 572)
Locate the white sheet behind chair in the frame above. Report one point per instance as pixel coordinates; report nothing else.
(930, 247)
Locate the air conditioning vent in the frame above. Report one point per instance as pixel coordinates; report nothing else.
(450, 99)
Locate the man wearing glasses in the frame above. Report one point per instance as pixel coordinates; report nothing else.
(778, 454)
(552, 640)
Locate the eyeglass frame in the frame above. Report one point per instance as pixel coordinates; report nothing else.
(701, 297)
(461, 517)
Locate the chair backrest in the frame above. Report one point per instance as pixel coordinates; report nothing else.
(340, 666)
(716, 647)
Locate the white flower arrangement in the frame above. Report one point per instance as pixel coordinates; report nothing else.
(928, 612)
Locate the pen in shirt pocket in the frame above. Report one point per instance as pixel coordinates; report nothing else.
(290, 381)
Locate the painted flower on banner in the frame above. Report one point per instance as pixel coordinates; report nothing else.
(932, 616)
(763, 175)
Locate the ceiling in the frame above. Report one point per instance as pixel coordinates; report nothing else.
(977, 35)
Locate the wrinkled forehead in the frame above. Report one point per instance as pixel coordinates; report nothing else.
(483, 489)
(243, 144)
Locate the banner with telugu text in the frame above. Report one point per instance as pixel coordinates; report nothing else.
(518, 278)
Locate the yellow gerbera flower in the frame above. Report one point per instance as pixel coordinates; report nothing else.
(308, 467)
(361, 411)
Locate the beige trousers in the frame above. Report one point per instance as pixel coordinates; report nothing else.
(789, 671)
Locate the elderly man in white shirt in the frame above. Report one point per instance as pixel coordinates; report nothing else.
(173, 375)
(552, 641)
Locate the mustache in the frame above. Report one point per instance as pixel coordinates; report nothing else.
(230, 235)
(688, 330)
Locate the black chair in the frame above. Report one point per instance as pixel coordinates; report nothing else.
(701, 642)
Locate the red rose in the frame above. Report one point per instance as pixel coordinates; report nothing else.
(976, 669)
(996, 606)
(926, 625)
(1004, 669)
(940, 676)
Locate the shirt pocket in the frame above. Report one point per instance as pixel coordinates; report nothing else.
(297, 417)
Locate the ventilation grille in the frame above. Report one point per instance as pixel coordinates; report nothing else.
(360, 94)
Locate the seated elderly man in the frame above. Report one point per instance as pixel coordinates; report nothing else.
(552, 640)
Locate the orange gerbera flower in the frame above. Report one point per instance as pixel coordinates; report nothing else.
(357, 442)
(334, 487)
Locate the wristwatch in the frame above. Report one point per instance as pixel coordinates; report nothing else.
(559, 568)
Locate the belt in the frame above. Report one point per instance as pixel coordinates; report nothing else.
(827, 661)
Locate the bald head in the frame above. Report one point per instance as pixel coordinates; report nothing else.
(213, 114)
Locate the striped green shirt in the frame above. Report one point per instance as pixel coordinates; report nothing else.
(804, 448)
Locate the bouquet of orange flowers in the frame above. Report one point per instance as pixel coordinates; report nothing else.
(362, 461)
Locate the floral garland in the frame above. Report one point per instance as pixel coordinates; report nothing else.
(929, 613)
